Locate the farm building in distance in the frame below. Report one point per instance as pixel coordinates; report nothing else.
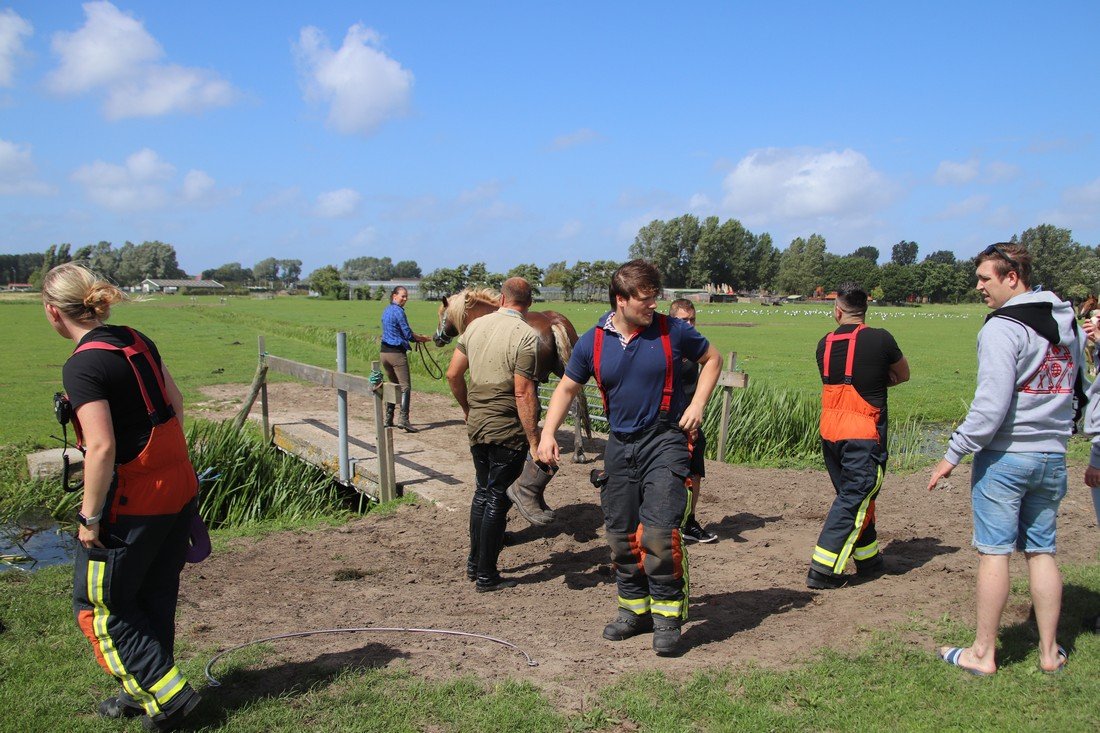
(149, 285)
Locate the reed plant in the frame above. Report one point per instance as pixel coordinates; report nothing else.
(772, 426)
(257, 483)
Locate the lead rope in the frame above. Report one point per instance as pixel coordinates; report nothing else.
(425, 357)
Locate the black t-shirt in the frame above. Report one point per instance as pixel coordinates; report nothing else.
(96, 374)
(876, 351)
(689, 377)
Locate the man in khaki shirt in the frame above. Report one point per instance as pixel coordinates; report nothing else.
(501, 405)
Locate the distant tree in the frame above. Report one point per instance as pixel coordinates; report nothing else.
(231, 272)
(904, 253)
(266, 270)
(55, 255)
(867, 253)
(531, 273)
(290, 271)
(380, 292)
(554, 273)
(766, 257)
(368, 268)
(477, 276)
(647, 241)
(850, 269)
(326, 281)
(18, 268)
(802, 266)
(937, 281)
(899, 282)
(406, 270)
(147, 260)
(1056, 258)
(941, 256)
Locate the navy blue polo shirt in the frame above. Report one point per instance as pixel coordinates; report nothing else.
(634, 374)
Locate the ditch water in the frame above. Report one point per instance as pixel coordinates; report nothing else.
(34, 543)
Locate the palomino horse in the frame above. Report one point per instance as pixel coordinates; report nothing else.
(556, 335)
(1086, 310)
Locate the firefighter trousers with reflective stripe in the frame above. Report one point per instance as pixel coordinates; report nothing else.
(124, 597)
(856, 468)
(645, 503)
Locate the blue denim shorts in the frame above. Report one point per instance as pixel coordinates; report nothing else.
(1015, 498)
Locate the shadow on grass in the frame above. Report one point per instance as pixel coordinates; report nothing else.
(720, 616)
(240, 688)
(1019, 640)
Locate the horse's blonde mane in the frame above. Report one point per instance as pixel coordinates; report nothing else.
(459, 303)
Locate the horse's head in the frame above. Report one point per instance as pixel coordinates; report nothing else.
(446, 330)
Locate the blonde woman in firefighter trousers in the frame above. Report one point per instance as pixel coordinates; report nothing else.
(857, 365)
(633, 353)
(139, 498)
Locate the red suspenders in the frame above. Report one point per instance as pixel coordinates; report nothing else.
(666, 345)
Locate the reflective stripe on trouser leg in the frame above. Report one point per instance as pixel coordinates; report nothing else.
(627, 560)
(96, 594)
(847, 531)
(666, 567)
(866, 552)
(856, 468)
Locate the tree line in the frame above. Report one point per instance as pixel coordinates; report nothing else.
(691, 254)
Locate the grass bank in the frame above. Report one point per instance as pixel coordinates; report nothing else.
(51, 683)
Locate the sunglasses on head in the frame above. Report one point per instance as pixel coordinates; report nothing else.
(996, 249)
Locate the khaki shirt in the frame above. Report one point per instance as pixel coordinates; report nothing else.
(498, 346)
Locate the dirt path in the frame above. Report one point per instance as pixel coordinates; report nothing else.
(749, 602)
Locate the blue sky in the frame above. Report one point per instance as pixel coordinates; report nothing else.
(511, 132)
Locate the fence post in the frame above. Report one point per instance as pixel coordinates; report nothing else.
(342, 406)
(727, 396)
(384, 442)
(263, 395)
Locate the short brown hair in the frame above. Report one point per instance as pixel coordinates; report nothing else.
(1007, 257)
(681, 305)
(632, 279)
(516, 290)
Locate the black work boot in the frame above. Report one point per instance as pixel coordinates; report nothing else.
(666, 635)
(871, 568)
(628, 624)
(173, 719)
(824, 581)
(120, 706)
(405, 425)
(389, 415)
(488, 584)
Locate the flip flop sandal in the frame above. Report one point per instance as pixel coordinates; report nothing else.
(954, 654)
(1062, 655)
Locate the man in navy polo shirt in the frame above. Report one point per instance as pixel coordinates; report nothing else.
(633, 353)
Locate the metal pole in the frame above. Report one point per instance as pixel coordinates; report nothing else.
(342, 405)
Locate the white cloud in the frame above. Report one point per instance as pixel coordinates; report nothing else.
(950, 173)
(143, 182)
(478, 194)
(573, 139)
(362, 85)
(114, 53)
(365, 237)
(17, 171)
(500, 211)
(569, 229)
(1079, 206)
(278, 201)
(700, 202)
(999, 171)
(792, 185)
(12, 29)
(338, 204)
(967, 207)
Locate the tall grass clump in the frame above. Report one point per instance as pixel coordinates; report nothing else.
(257, 483)
(768, 426)
(772, 426)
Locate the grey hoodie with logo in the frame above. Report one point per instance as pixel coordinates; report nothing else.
(1024, 401)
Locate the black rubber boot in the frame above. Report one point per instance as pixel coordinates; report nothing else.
(628, 624)
(389, 415)
(871, 568)
(120, 706)
(666, 635)
(824, 581)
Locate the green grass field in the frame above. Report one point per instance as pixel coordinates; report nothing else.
(206, 342)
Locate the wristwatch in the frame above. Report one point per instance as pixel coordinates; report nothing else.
(88, 521)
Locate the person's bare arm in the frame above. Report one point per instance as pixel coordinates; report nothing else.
(99, 465)
(560, 401)
(711, 363)
(899, 372)
(456, 379)
(527, 405)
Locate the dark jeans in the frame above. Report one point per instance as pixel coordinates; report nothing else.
(497, 467)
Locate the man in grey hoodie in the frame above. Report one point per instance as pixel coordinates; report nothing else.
(1029, 355)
